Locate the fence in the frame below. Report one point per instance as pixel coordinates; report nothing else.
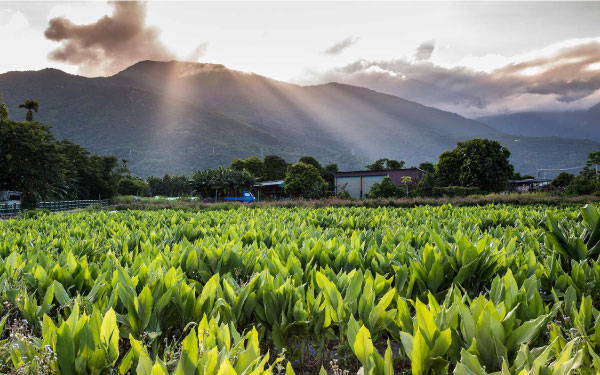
(9, 209)
(70, 205)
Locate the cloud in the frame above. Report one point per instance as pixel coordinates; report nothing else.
(110, 44)
(425, 50)
(560, 77)
(198, 52)
(340, 46)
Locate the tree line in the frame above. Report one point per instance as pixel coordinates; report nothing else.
(43, 168)
(481, 166)
(307, 178)
(35, 163)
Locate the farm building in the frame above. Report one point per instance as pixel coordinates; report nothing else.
(358, 183)
(531, 184)
(270, 190)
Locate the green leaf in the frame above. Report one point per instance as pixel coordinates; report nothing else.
(363, 346)
(109, 335)
(289, 370)
(65, 350)
(525, 333)
(442, 343)
(388, 361)
(468, 365)
(425, 321)
(144, 308)
(352, 330)
(225, 368)
(420, 354)
(159, 368)
(60, 293)
(189, 355)
(144, 366)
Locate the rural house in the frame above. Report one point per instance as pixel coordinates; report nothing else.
(358, 183)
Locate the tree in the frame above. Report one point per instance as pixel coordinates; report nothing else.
(594, 161)
(31, 162)
(275, 167)
(562, 180)
(385, 165)
(588, 180)
(155, 184)
(328, 174)
(427, 167)
(384, 189)
(123, 169)
(3, 110)
(311, 161)
(132, 185)
(447, 170)
(582, 184)
(104, 176)
(88, 177)
(252, 164)
(30, 105)
(238, 164)
(426, 184)
(481, 163)
(211, 182)
(406, 181)
(256, 167)
(304, 180)
(171, 186)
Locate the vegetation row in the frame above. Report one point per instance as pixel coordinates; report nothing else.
(427, 290)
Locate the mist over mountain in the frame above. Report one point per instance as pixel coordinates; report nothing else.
(177, 117)
(570, 124)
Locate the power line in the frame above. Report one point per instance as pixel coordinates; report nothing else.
(558, 169)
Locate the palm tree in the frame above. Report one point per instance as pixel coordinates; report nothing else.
(30, 105)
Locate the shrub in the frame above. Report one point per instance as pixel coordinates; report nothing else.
(34, 214)
(304, 180)
(385, 189)
(455, 191)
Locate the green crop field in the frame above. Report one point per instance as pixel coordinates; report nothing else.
(428, 290)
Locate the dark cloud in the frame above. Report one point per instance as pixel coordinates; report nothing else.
(567, 78)
(425, 50)
(110, 44)
(338, 47)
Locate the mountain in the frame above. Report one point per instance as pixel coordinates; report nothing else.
(177, 117)
(570, 124)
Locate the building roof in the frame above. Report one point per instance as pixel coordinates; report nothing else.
(376, 173)
(529, 181)
(270, 183)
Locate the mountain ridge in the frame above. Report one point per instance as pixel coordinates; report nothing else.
(177, 117)
(582, 124)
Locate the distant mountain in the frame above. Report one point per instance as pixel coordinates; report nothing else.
(570, 124)
(177, 117)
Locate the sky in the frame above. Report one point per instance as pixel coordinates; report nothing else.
(473, 58)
